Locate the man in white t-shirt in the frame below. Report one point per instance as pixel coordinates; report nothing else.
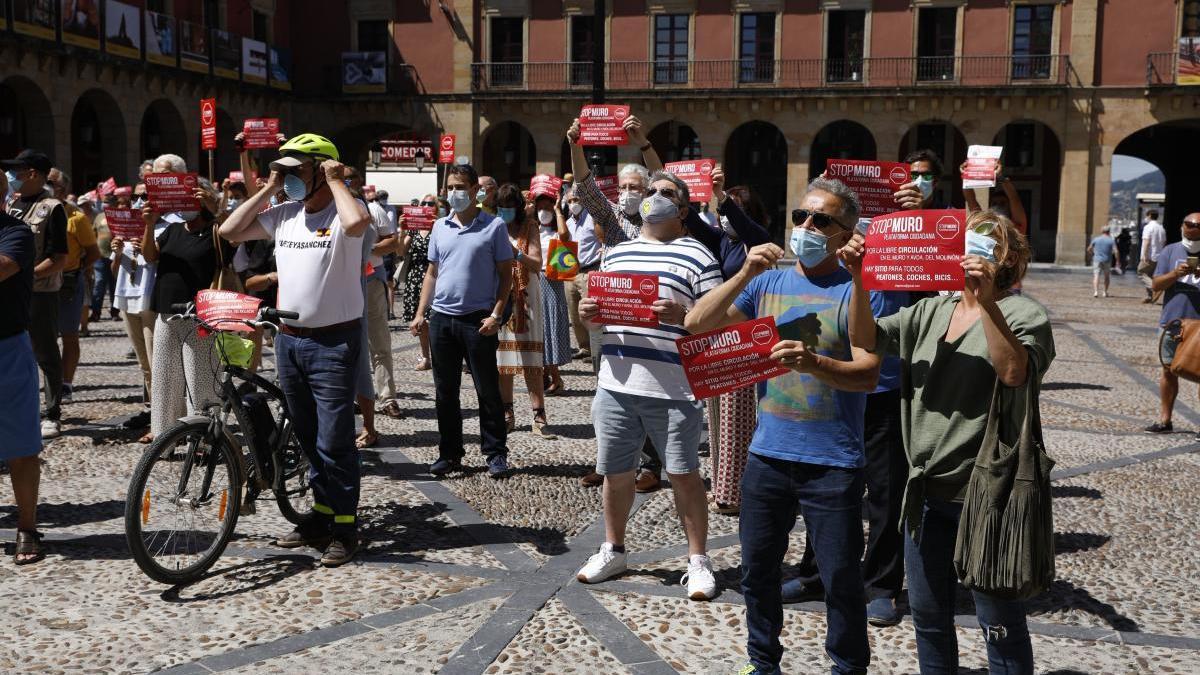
(1154, 238)
(379, 337)
(319, 255)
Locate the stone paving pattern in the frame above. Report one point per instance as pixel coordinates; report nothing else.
(470, 575)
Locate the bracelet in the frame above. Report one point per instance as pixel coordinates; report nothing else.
(518, 255)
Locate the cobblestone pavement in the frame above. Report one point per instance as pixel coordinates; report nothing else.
(469, 575)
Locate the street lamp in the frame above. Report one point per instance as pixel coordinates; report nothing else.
(419, 160)
(376, 153)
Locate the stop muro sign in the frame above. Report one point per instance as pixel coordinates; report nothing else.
(446, 149)
(208, 123)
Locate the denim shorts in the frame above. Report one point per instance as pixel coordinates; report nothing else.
(624, 421)
(1166, 346)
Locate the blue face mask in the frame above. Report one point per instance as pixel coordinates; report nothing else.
(981, 245)
(294, 187)
(14, 183)
(459, 201)
(810, 246)
(507, 214)
(925, 185)
(138, 203)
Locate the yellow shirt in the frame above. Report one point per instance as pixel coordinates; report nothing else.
(79, 237)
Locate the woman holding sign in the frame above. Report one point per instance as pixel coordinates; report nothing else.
(414, 247)
(952, 348)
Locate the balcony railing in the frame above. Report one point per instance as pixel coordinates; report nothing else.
(1160, 68)
(969, 71)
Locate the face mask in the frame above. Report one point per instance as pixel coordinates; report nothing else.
(630, 202)
(1191, 246)
(812, 248)
(294, 187)
(658, 209)
(14, 183)
(232, 204)
(545, 217)
(480, 196)
(188, 216)
(274, 201)
(139, 203)
(459, 200)
(507, 213)
(981, 245)
(575, 208)
(728, 228)
(442, 213)
(925, 185)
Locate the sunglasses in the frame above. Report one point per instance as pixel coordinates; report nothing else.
(1191, 223)
(821, 220)
(669, 193)
(428, 204)
(921, 174)
(985, 227)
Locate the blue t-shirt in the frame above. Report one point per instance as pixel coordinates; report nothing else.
(1102, 249)
(800, 418)
(466, 259)
(887, 303)
(1182, 299)
(16, 292)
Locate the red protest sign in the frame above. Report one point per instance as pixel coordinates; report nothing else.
(545, 184)
(123, 191)
(875, 183)
(172, 191)
(446, 149)
(610, 187)
(697, 173)
(980, 168)
(624, 299)
(226, 310)
(603, 125)
(915, 251)
(208, 124)
(260, 132)
(125, 223)
(727, 359)
(107, 187)
(237, 177)
(419, 217)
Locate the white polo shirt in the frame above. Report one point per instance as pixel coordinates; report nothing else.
(319, 266)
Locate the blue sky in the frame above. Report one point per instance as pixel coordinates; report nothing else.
(1125, 167)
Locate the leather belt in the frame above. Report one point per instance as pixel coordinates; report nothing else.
(301, 331)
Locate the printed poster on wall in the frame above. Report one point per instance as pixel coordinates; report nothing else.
(34, 17)
(161, 45)
(254, 61)
(226, 54)
(281, 68)
(193, 47)
(1188, 62)
(123, 30)
(80, 23)
(364, 72)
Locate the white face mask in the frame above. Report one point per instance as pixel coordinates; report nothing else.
(545, 217)
(1191, 246)
(575, 208)
(630, 201)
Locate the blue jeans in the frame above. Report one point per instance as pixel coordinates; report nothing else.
(104, 284)
(830, 500)
(317, 375)
(452, 339)
(931, 588)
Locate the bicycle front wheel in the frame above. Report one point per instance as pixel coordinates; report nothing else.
(182, 504)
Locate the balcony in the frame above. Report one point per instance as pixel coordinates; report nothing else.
(887, 72)
(1160, 69)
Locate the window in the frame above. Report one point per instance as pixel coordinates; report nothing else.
(212, 14)
(936, 30)
(507, 50)
(670, 48)
(583, 49)
(259, 29)
(373, 36)
(757, 48)
(1033, 27)
(844, 45)
(1021, 147)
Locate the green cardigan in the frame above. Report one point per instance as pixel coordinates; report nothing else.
(946, 389)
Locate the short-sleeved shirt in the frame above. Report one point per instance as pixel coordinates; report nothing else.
(466, 259)
(16, 292)
(383, 227)
(887, 303)
(583, 231)
(319, 265)
(800, 418)
(186, 264)
(80, 235)
(1102, 249)
(56, 234)
(1154, 239)
(1182, 299)
(643, 360)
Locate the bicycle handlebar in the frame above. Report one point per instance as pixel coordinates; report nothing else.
(187, 310)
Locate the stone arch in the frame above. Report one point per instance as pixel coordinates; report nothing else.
(1163, 145)
(162, 130)
(756, 154)
(25, 118)
(675, 141)
(509, 153)
(98, 145)
(843, 139)
(944, 138)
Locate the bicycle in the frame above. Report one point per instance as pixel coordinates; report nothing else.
(186, 493)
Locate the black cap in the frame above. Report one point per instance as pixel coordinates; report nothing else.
(33, 159)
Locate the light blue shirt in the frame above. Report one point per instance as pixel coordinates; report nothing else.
(1102, 249)
(583, 230)
(466, 259)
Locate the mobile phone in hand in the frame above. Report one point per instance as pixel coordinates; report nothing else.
(1193, 262)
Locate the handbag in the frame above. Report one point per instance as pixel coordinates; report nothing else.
(562, 260)
(1005, 543)
(224, 278)
(1186, 362)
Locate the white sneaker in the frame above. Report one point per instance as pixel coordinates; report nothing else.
(699, 579)
(51, 429)
(605, 564)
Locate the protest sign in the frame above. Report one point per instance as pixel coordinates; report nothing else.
(208, 124)
(125, 224)
(603, 125)
(418, 217)
(980, 170)
(107, 187)
(915, 251)
(875, 183)
(727, 359)
(260, 132)
(226, 310)
(697, 173)
(624, 299)
(172, 191)
(545, 184)
(446, 149)
(610, 187)
(562, 260)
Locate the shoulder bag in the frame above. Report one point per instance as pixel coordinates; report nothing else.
(224, 278)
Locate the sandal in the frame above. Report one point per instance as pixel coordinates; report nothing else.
(510, 418)
(392, 409)
(29, 543)
(554, 389)
(540, 423)
(367, 439)
(422, 364)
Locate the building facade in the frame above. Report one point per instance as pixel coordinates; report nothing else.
(771, 88)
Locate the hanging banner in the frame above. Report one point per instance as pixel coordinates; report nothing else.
(1188, 62)
(35, 18)
(260, 132)
(208, 124)
(446, 149)
(980, 169)
(161, 43)
(123, 29)
(193, 47)
(603, 125)
(226, 310)
(419, 218)
(226, 54)
(126, 224)
(697, 173)
(624, 299)
(915, 251)
(79, 23)
(875, 183)
(404, 152)
(610, 187)
(730, 358)
(254, 61)
(281, 68)
(364, 72)
(169, 192)
(545, 185)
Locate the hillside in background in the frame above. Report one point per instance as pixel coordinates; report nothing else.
(1123, 204)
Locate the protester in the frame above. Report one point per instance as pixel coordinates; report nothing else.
(26, 176)
(319, 254)
(82, 253)
(1102, 251)
(522, 332)
(414, 247)
(105, 282)
(21, 439)
(1004, 201)
(1124, 243)
(951, 347)
(556, 321)
(1178, 280)
(485, 196)
(925, 175)
(583, 232)
(643, 393)
(1154, 238)
(466, 287)
(807, 447)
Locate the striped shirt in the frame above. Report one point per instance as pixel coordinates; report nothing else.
(641, 360)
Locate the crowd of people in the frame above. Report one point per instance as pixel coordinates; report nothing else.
(882, 394)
